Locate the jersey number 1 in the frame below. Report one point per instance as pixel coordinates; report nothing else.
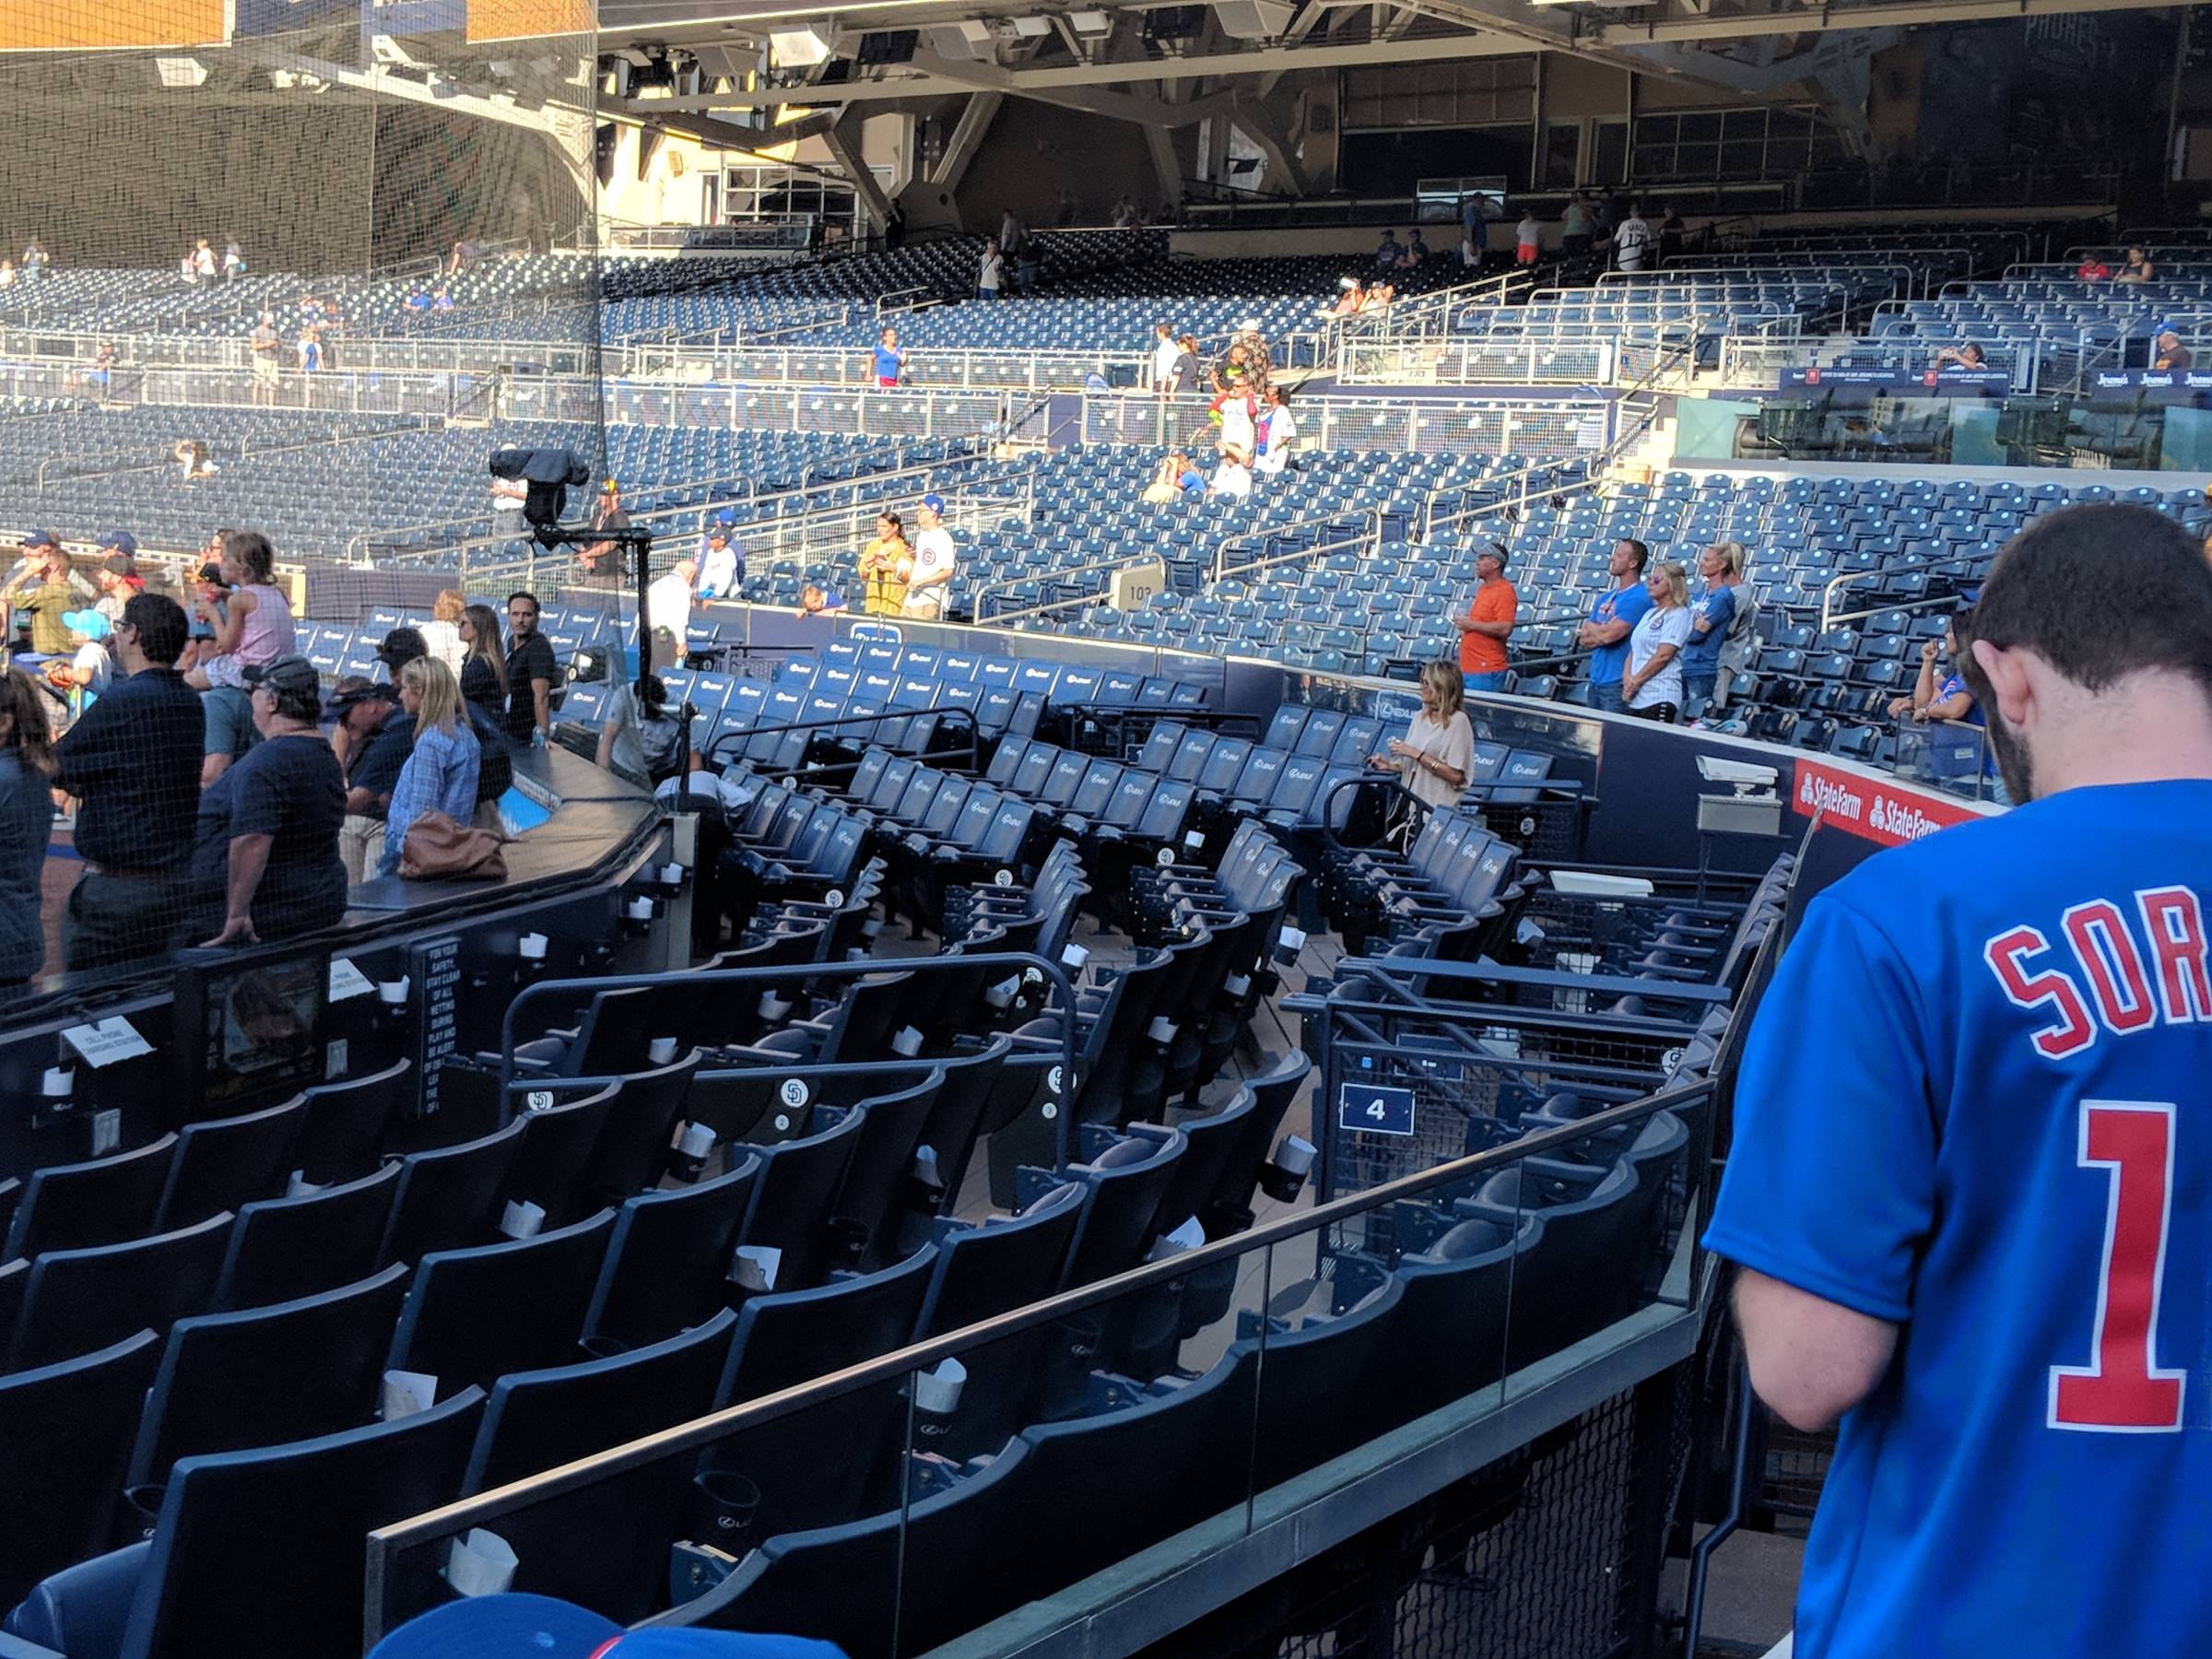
(2122, 1390)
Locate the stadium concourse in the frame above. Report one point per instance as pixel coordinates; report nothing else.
(959, 830)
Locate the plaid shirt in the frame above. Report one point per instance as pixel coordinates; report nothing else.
(440, 776)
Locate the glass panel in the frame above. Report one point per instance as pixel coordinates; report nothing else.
(1070, 1447)
(1701, 125)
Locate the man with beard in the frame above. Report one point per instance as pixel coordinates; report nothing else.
(1970, 1184)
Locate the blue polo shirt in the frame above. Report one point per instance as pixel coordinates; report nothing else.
(1608, 663)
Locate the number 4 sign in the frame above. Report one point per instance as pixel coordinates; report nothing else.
(1365, 1109)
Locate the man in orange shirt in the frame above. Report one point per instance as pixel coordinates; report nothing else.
(1487, 624)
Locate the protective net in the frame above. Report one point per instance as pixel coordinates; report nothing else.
(294, 267)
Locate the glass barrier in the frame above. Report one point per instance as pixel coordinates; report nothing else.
(1138, 1422)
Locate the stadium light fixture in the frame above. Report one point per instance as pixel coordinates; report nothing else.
(798, 48)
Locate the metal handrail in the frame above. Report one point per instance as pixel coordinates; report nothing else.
(1124, 562)
(1829, 618)
(386, 1543)
(1218, 568)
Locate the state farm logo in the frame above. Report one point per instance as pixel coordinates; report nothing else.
(1816, 793)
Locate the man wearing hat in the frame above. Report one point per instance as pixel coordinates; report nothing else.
(133, 762)
(1488, 623)
(721, 564)
(374, 738)
(2167, 352)
(117, 577)
(601, 560)
(264, 856)
(44, 589)
(936, 559)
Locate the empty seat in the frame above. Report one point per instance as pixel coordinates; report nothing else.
(67, 1430)
(290, 1371)
(669, 1259)
(558, 1143)
(341, 1136)
(474, 1315)
(67, 1206)
(284, 1248)
(449, 1197)
(226, 1163)
(298, 1513)
(76, 1301)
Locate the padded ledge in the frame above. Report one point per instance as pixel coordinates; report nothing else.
(1591, 884)
(1148, 1596)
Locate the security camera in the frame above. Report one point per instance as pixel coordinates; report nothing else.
(1745, 776)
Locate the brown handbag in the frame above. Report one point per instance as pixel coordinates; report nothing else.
(438, 849)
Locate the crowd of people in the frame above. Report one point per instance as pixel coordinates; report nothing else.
(217, 795)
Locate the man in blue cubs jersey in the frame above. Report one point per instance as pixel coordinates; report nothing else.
(1971, 1189)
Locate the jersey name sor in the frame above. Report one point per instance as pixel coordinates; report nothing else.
(2114, 968)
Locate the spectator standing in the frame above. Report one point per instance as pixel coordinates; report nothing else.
(44, 590)
(601, 560)
(234, 261)
(254, 628)
(441, 633)
(888, 360)
(1711, 621)
(1651, 688)
(936, 559)
(1186, 376)
(35, 261)
(1967, 1189)
(1671, 233)
(484, 668)
(1279, 434)
(1609, 214)
(1528, 238)
(311, 350)
(1474, 227)
(26, 768)
(533, 676)
(1488, 623)
(444, 763)
(202, 261)
(509, 496)
(721, 564)
(1238, 410)
(1575, 227)
(1612, 620)
(668, 612)
(117, 577)
(1633, 240)
(886, 565)
(133, 762)
(264, 857)
(1389, 253)
(1165, 350)
(991, 274)
(1436, 757)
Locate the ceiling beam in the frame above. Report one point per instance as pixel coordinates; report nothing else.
(843, 141)
(976, 116)
(1895, 14)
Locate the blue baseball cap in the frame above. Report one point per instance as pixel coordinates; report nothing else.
(518, 1626)
(119, 541)
(726, 517)
(933, 502)
(42, 538)
(89, 623)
